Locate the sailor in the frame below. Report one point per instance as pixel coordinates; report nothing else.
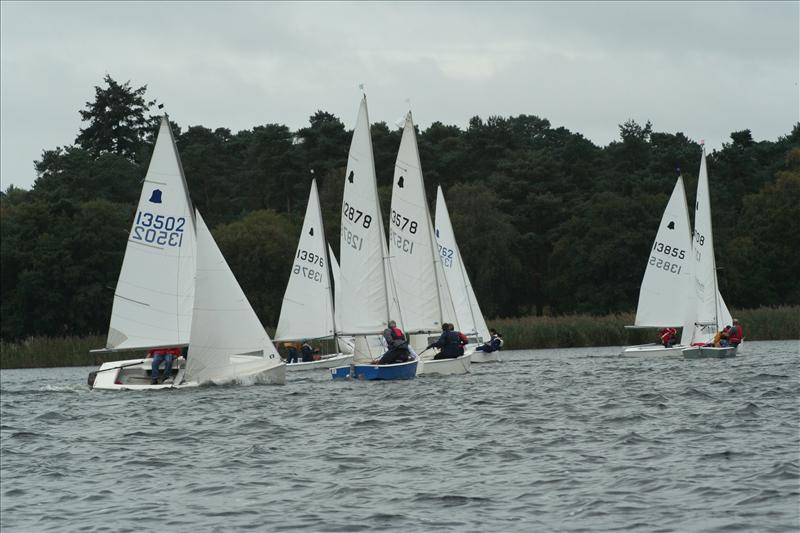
(448, 343)
(494, 343)
(308, 352)
(397, 345)
(735, 334)
(668, 336)
(291, 353)
(165, 355)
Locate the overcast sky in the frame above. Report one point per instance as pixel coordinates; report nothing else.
(702, 68)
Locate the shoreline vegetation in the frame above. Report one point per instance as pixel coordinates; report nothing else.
(521, 333)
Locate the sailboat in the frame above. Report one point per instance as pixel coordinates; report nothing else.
(154, 300)
(711, 314)
(468, 313)
(422, 291)
(664, 296)
(307, 311)
(366, 292)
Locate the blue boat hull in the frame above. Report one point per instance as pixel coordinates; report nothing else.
(373, 372)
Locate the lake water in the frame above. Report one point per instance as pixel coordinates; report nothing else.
(549, 440)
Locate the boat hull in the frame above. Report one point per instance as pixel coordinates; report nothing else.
(331, 362)
(709, 352)
(446, 367)
(134, 374)
(486, 357)
(654, 350)
(397, 371)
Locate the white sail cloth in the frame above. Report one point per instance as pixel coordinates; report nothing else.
(224, 325)
(307, 309)
(155, 291)
(422, 291)
(364, 304)
(665, 288)
(469, 316)
(711, 314)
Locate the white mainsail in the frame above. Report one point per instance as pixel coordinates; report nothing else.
(666, 284)
(155, 292)
(711, 313)
(470, 318)
(224, 324)
(422, 291)
(307, 309)
(364, 300)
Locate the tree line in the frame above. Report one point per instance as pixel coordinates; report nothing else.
(547, 221)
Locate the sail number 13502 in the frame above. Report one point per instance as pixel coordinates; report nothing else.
(158, 229)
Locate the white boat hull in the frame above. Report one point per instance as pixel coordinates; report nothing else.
(330, 362)
(133, 374)
(709, 352)
(445, 367)
(655, 350)
(486, 357)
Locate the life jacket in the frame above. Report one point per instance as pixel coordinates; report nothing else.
(397, 333)
(735, 334)
(398, 339)
(462, 339)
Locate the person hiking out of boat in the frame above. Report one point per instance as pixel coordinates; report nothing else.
(448, 343)
(492, 345)
(308, 352)
(669, 336)
(397, 345)
(162, 355)
(292, 355)
(735, 334)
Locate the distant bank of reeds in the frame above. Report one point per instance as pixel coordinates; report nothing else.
(40, 352)
(765, 323)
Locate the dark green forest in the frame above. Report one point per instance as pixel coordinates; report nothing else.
(548, 222)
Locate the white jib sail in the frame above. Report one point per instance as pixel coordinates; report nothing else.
(424, 299)
(223, 324)
(665, 287)
(470, 317)
(364, 301)
(155, 291)
(307, 309)
(711, 311)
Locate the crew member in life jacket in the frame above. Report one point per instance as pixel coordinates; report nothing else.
(735, 334)
(167, 356)
(669, 336)
(494, 344)
(449, 344)
(397, 343)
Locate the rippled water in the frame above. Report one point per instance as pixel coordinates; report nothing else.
(568, 440)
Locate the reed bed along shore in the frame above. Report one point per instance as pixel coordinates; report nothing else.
(530, 332)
